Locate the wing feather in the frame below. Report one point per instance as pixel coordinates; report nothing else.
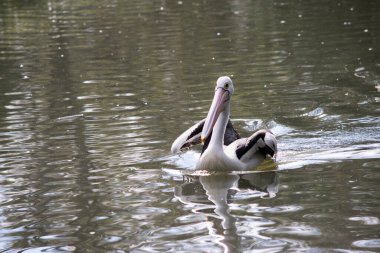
(190, 137)
(263, 141)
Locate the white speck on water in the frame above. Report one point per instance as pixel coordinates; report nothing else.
(161, 8)
(62, 55)
(365, 30)
(352, 9)
(213, 58)
(298, 35)
(100, 31)
(360, 72)
(179, 2)
(300, 15)
(21, 66)
(282, 21)
(322, 42)
(25, 77)
(370, 49)
(218, 34)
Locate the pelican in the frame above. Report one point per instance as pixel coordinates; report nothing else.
(223, 148)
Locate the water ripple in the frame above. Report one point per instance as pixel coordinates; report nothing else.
(284, 209)
(92, 95)
(371, 243)
(302, 231)
(366, 220)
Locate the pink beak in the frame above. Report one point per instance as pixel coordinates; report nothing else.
(217, 106)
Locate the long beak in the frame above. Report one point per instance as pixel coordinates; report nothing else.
(217, 106)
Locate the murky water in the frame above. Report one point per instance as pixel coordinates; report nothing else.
(92, 94)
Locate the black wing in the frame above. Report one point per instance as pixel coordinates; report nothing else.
(192, 136)
(261, 141)
(231, 134)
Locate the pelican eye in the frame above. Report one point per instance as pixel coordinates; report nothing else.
(226, 85)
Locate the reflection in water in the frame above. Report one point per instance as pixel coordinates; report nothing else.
(91, 96)
(212, 194)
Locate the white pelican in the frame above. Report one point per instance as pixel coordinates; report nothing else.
(223, 149)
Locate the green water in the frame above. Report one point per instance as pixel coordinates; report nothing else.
(92, 94)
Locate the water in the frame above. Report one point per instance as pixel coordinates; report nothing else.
(92, 94)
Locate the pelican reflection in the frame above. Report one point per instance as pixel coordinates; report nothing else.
(212, 195)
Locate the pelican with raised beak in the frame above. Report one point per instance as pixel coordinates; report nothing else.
(223, 149)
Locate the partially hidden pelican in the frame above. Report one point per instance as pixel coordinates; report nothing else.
(223, 148)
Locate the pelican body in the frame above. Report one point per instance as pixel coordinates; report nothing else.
(223, 148)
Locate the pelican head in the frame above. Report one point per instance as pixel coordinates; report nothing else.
(223, 91)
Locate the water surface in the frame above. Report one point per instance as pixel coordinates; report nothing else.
(92, 94)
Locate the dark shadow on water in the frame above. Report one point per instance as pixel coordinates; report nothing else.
(211, 195)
